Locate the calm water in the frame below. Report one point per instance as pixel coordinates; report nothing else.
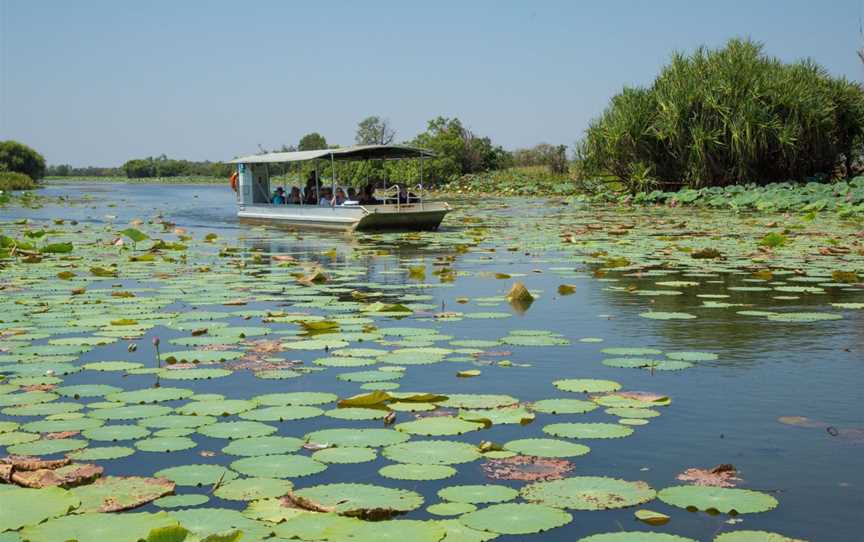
(723, 411)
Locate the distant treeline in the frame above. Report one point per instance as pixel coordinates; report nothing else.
(458, 150)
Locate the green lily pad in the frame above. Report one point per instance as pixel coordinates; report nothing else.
(472, 401)
(108, 366)
(193, 374)
(224, 407)
(721, 499)
(20, 507)
(47, 447)
(563, 406)
(450, 508)
(175, 421)
(512, 518)
(587, 430)
(408, 471)
(345, 455)
(358, 499)
(116, 493)
(114, 433)
(197, 475)
(478, 494)
(113, 527)
(278, 466)
(618, 351)
(352, 413)
(368, 438)
(587, 385)
(250, 489)
(86, 390)
(165, 444)
(438, 426)
(635, 536)
(546, 447)
(312, 527)
(204, 522)
(804, 317)
(589, 493)
(282, 413)
(692, 356)
(257, 446)
(181, 501)
(660, 315)
(754, 536)
(432, 452)
(396, 530)
(237, 430)
(150, 395)
(295, 398)
(101, 453)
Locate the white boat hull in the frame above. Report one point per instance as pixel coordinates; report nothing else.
(415, 216)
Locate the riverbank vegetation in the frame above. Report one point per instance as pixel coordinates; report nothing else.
(20, 166)
(728, 116)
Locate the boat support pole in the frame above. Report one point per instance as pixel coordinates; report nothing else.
(333, 172)
(421, 183)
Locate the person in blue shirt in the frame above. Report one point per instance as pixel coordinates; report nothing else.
(278, 197)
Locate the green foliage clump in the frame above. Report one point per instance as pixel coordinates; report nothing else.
(162, 166)
(19, 158)
(11, 180)
(517, 181)
(728, 116)
(311, 142)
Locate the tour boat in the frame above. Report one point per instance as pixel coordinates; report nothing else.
(393, 208)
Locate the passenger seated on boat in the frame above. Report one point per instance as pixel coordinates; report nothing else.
(311, 196)
(366, 197)
(352, 193)
(339, 198)
(278, 197)
(326, 197)
(294, 197)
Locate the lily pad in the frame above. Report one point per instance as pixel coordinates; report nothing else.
(237, 430)
(438, 426)
(589, 493)
(635, 536)
(511, 518)
(408, 471)
(258, 446)
(587, 385)
(719, 499)
(369, 438)
(165, 444)
(345, 455)
(563, 406)
(432, 452)
(282, 413)
(113, 527)
(478, 494)
(754, 536)
(278, 466)
(197, 475)
(116, 493)
(587, 430)
(181, 501)
(546, 447)
(20, 507)
(450, 508)
(250, 489)
(361, 499)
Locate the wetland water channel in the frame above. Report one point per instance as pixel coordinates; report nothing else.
(760, 353)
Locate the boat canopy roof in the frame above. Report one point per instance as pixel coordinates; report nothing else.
(357, 152)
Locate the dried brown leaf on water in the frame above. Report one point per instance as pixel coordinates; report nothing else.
(724, 475)
(315, 277)
(518, 292)
(527, 468)
(21, 462)
(566, 289)
(68, 476)
(802, 421)
(292, 500)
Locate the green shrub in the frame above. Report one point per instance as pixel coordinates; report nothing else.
(728, 116)
(10, 180)
(20, 158)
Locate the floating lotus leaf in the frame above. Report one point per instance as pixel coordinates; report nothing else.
(471, 401)
(201, 356)
(17, 437)
(278, 374)
(660, 315)
(196, 475)
(546, 447)
(204, 522)
(356, 413)
(7, 426)
(432, 452)
(407, 471)
(361, 499)
(412, 407)
(47, 447)
(26, 398)
(278, 466)
(316, 344)
(57, 426)
(314, 526)
(175, 421)
(129, 412)
(174, 432)
(587, 385)
(587, 430)
(295, 398)
(114, 527)
(632, 413)
(165, 444)
(150, 395)
(647, 363)
(282, 413)
(101, 453)
(534, 340)
(475, 343)
(44, 409)
(116, 493)
(388, 531)
(692, 356)
(273, 510)
(225, 407)
(20, 507)
(250, 489)
(450, 508)
(345, 455)
(498, 416)
(181, 501)
(804, 317)
(86, 390)
(369, 438)
(754, 536)
(344, 361)
(635, 536)
(439, 426)
(631, 400)
(113, 433)
(563, 406)
(616, 351)
(237, 430)
(458, 532)
(722, 499)
(651, 517)
(511, 518)
(369, 376)
(478, 494)
(414, 356)
(272, 445)
(589, 493)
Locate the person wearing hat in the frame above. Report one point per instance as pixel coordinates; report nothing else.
(278, 196)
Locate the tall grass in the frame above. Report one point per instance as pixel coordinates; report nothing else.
(727, 116)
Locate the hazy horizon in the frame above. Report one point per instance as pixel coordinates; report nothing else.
(98, 83)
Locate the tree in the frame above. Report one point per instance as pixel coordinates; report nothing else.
(311, 142)
(374, 131)
(20, 158)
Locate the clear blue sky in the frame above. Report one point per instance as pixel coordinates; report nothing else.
(97, 82)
